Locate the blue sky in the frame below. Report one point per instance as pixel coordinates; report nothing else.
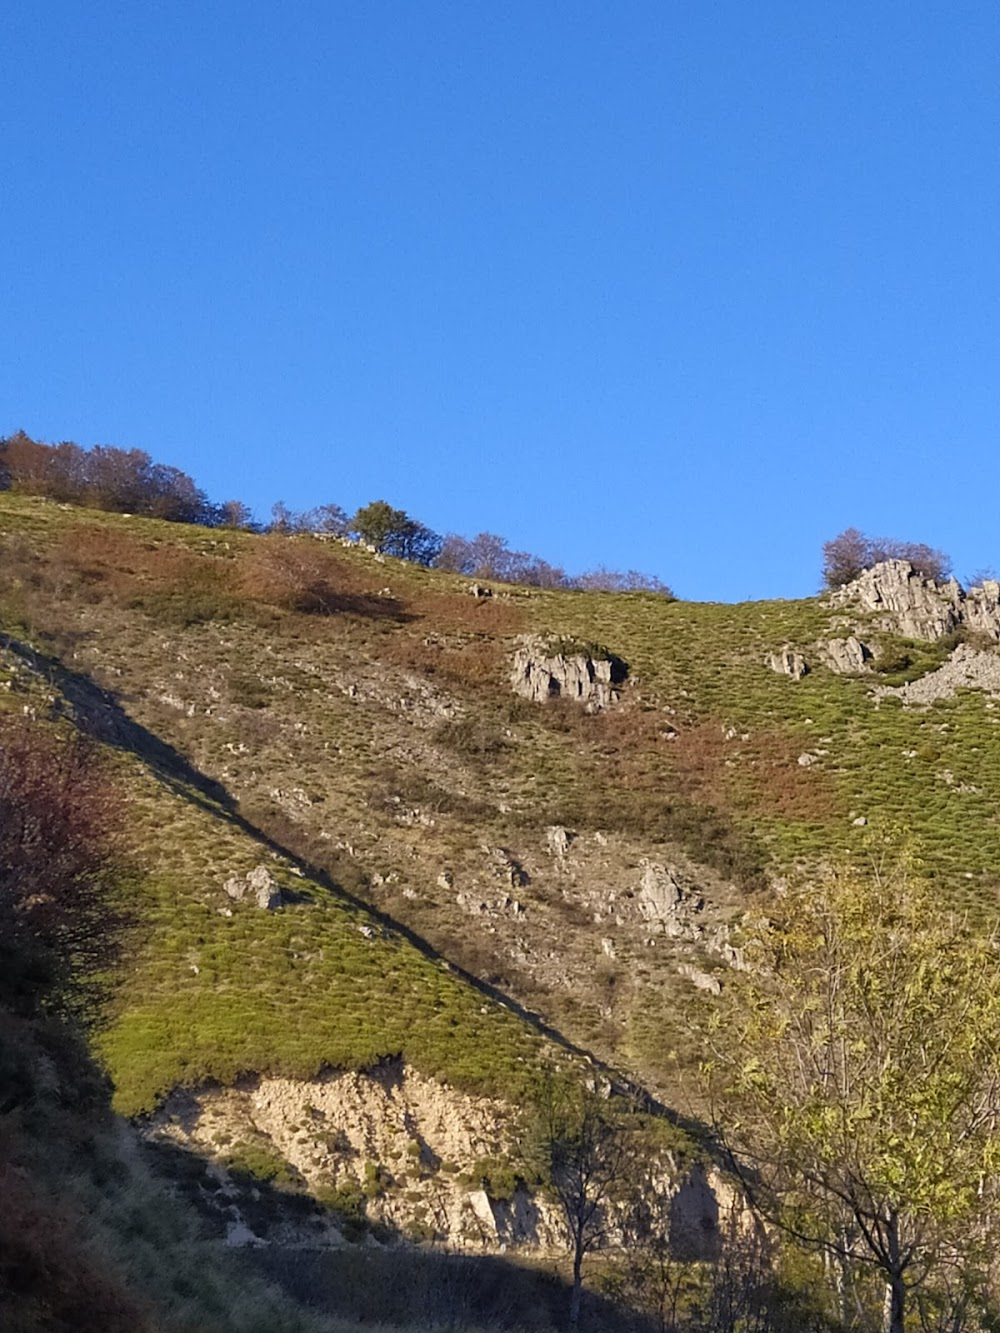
(687, 287)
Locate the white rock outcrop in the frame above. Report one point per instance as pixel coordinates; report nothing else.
(919, 608)
(543, 671)
(415, 1146)
(666, 902)
(259, 886)
(847, 657)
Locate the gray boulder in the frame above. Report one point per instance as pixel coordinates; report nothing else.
(847, 657)
(788, 662)
(259, 886)
(665, 901)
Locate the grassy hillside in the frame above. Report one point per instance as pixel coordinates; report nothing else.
(348, 722)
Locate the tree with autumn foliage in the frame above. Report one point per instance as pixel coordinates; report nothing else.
(61, 821)
(856, 1083)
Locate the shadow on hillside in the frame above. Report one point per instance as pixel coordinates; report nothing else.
(409, 1288)
(379, 1277)
(99, 714)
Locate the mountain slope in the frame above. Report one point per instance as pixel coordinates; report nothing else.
(347, 722)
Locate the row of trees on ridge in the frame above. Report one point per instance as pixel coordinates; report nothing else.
(129, 481)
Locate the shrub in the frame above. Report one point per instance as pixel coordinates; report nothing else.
(613, 580)
(261, 1160)
(60, 860)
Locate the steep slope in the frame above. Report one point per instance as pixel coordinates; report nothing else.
(347, 725)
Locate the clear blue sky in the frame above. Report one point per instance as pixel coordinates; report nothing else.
(687, 287)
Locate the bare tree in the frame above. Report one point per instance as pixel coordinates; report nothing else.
(580, 1145)
(60, 857)
(850, 553)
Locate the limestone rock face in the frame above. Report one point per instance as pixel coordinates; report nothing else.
(419, 1139)
(666, 902)
(918, 607)
(789, 662)
(981, 609)
(846, 656)
(538, 673)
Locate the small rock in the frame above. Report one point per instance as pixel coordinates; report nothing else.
(702, 980)
(558, 840)
(860, 822)
(789, 662)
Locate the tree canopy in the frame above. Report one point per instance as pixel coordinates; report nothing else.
(856, 1079)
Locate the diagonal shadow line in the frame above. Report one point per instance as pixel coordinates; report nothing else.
(98, 713)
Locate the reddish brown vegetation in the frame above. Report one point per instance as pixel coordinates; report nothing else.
(760, 776)
(303, 576)
(125, 480)
(60, 846)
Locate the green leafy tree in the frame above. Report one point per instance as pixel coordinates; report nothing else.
(394, 532)
(856, 1079)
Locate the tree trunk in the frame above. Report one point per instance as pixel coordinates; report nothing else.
(895, 1288)
(895, 1305)
(574, 1303)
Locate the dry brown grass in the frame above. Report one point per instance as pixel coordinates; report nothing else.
(460, 612)
(475, 664)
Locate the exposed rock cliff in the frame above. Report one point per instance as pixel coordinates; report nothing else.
(419, 1152)
(919, 608)
(560, 670)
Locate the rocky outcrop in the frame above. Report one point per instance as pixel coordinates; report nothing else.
(788, 662)
(981, 608)
(543, 670)
(847, 657)
(405, 1143)
(667, 902)
(258, 886)
(967, 668)
(427, 1160)
(918, 607)
(700, 979)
